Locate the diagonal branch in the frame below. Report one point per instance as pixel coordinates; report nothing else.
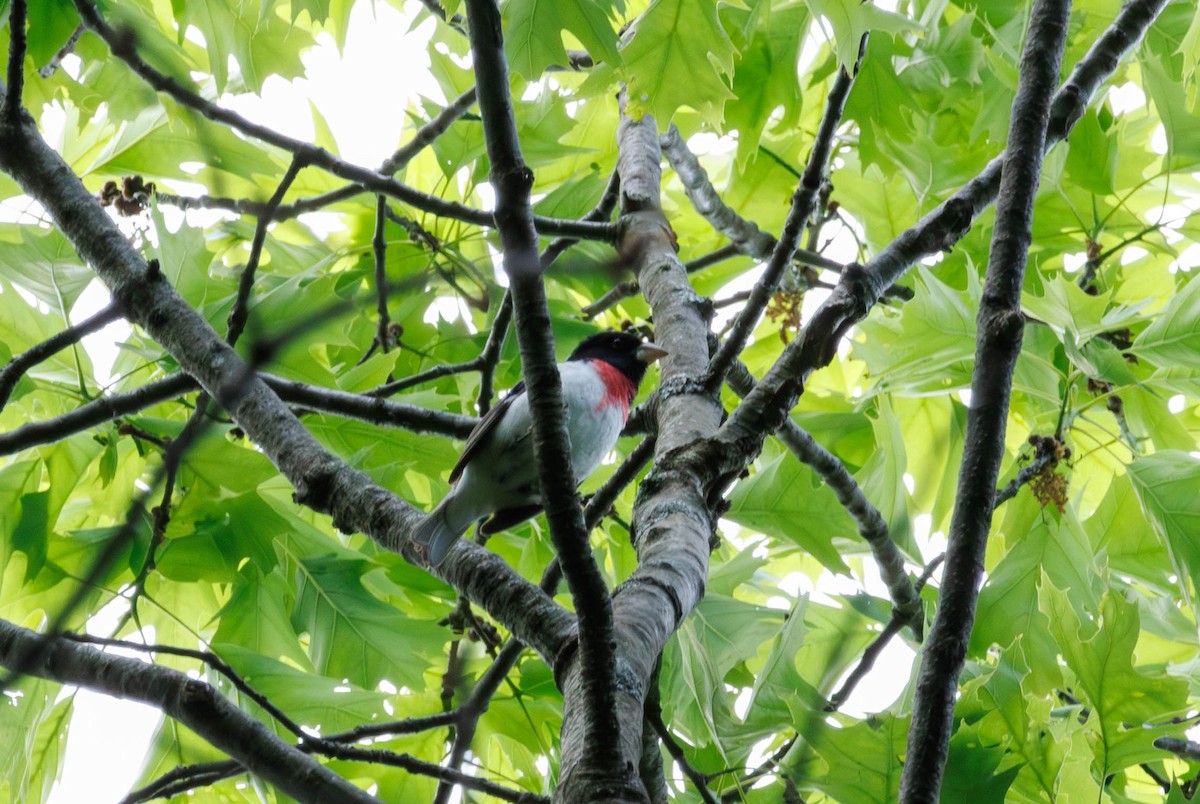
(744, 235)
(804, 201)
(123, 47)
(1001, 326)
(12, 372)
(871, 524)
(191, 702)
(765, 408)
(322, 481)
(241, 303)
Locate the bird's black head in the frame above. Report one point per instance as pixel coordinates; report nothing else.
(625, 351)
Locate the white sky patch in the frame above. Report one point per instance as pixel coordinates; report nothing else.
(1073, 262)
(884, 684)
(1132, 254)
(1158, 140)
(1126, 98)
(1187, 260)
(101, 346)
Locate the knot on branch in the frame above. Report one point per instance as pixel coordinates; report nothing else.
(315, 489)
(1005, 326)
(1065, 113)
(953, 222)
(197, 697)
(642, 231)
(562, 660)
(680, 386)
(517, 179)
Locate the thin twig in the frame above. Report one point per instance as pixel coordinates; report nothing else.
(241, 304)
(871, 525)
(12, 372)
(379, 247)
(123, 47)
(875, 649)
(803, 203)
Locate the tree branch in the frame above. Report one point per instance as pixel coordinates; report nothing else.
(804, 201)
(322, 481)
(871, 524)
(17, 13)
(192, 702)
(326, 400)
(672, 523)
(12, 372)
(241, 303)
(123, 47)
(1001, 326)
(513, 181)
(875, 649)
(379, 248)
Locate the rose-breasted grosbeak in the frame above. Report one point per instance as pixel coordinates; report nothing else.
(496, 474)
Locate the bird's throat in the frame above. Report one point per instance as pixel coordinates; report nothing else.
(619, 390)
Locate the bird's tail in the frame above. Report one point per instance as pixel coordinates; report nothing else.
(436, 535)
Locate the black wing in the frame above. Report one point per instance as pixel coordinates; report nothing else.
(487, 424)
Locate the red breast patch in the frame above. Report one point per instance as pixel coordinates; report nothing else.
(618, 389)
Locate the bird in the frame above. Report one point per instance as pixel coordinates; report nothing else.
(496, 476)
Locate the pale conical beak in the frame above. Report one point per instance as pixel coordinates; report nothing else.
(649, 352)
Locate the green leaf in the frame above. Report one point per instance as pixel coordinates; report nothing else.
(1008, 603)
(1066, 308)
(882, 476)
(1092, 160)
(45, 264)
(766, 76)
(1125, 702)
(785, 501)
(863, 758)
(678, 55)
(256, 618)
(31, 727)
(353, 634)
(1180, 121)
(1120, 530)
(1173, 338)
(260, 40)
(779, 690)
(851, 20)
(1166, 484)
(48, 751)
(313, 701)
(1016, 718)
(50, 25)
(15, 479)
(929, 346)
(533, 40)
